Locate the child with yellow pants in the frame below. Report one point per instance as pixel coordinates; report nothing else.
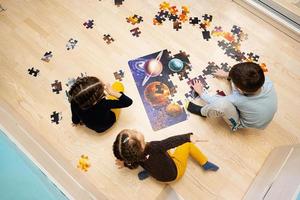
(132, 151)
(95, 104)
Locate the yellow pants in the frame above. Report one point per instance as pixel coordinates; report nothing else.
(181, 154)
(118, 86)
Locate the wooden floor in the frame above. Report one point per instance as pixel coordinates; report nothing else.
(30, 28)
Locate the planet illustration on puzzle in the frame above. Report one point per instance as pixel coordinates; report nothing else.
(175, 65)
(152, 68)
(157, 94)
(173, 110)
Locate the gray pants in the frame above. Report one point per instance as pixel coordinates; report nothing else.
(221, 107)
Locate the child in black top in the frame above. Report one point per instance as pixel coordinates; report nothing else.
(131, 151)
(90, 105)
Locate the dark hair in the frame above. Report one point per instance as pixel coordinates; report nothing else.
(86, 91)
(247, 76)
(128, 150)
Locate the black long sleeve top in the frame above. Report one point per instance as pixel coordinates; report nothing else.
(99, 117)
(158, 162)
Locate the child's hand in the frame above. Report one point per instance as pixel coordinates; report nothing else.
(119, 163)
(111, 91)
(197, 86)
(220, 74)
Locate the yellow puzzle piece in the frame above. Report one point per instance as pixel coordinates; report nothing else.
(84, 163)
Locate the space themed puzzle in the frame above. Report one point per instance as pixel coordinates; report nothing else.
(152, 77)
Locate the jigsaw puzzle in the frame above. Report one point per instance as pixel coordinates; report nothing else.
(119, 75)
(56, 117)
(89, 24)
(33, 72)
(108, 39)
(152, 75)
(47, 56)
(71, 44)
(56, 87)
(136, 32)
(166, 11)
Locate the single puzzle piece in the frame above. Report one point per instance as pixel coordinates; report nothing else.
(83, 163)
(163, 13)
(185, 10)
(228, 36)
(135, 19)
(177, 25)
(164, 6)
(221, 93)
(173, 18)
(207, 17)
(206, 35)
(56, 117)
(71, 44)
(236, 30)
(118, 2)
(136, 32)
(173, 10)
(89, 24)
(210, 69)
(47, 56)
(33, 72)
(263, 67)
(173, 90)
(56, 87)
(108, 39)
(194, 20)
(183, 18)
(119, 75)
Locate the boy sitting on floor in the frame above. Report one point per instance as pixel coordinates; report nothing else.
(252, 103)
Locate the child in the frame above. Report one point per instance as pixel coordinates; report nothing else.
(89, 105)
(131, 150)
(252, 103)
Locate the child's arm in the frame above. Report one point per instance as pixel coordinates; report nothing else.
(75, 118)
(122, 102)
(170, 142)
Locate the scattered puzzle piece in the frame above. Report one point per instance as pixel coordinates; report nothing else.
(56, 87)
(194, 20)
(71, 44)
(55, 117)
(207, 17)
(263, 67)
(135, 19)
(164, 6)
(118, 2)
(177, 25)
(89, 24)
(108, 39)
(83, 163)
(47, 56)
(119, 75)
(135, 32)
(206, 35)
(33, 72)
(225, 67)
